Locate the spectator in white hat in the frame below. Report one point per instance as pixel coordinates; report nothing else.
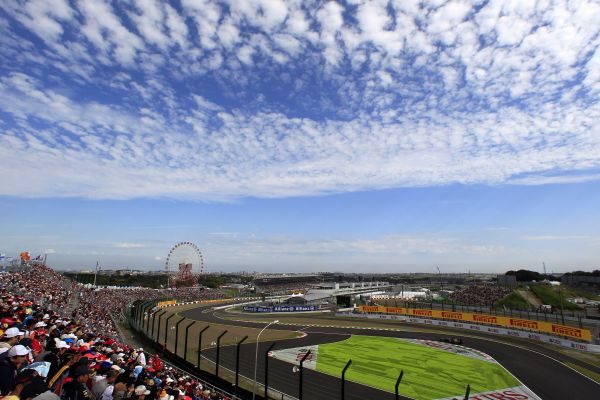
(54, 356)
(9, 366)
(141, 392)
(141, 358)
(11, 337)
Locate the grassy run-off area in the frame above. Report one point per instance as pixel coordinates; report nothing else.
(514, 301)
(429, 373)
(552, 296)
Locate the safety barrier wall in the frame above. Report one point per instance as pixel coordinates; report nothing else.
(280, 309)
(189, 367)
(592, 348)
(175, 303)
(506, 322)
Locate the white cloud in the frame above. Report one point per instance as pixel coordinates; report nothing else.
(563, 237)
(271, 155)
(385, 94)
(149, 20)
(228, 34)
(104, 30)
(178, 30)
(127, 245)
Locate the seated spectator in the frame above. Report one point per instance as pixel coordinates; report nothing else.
(69, 349)
(21, 380)
(10, 362)
(76, 389)
(11, 337)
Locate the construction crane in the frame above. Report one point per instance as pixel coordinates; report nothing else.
(544, 264)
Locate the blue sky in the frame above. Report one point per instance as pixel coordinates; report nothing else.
(299, 135)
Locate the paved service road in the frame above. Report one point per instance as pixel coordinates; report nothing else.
(543, 374)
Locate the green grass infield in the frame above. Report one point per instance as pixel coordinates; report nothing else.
(429, 373)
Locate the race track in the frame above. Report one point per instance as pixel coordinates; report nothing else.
(536, 366)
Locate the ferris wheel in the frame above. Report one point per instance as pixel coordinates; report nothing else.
(184, 264)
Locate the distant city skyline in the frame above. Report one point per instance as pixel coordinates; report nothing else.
(481, 228)
(302, 135)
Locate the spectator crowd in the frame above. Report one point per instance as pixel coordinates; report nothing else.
(479, 295)
(59, 340)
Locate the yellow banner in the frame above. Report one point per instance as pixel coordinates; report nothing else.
(506, 322)
(165, 303)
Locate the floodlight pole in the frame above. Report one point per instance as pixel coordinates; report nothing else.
(398, 383)
(237, 363)
(267, 367)
(218, 351)
(256, 357)
(95, 274)
(344, 378)
(200, 344)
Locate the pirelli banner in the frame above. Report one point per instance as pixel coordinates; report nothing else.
(507, 322)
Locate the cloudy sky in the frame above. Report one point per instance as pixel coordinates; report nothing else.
(302, 135)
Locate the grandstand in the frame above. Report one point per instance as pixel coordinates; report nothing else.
(57, 333)
(282, 284)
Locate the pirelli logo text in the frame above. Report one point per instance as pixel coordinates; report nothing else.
(423, 313)
(486, 319)
(452, 315)
(566, 331)
(370, 309)
(524, 323)
(395, 310)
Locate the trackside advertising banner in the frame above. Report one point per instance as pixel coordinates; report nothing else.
(166, 303)
(507, 322)
(592, 348)
(515, 393)
(280, 308)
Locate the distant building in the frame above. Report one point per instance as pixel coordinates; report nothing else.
(507, 280)
(310, 299)
(106, 272)
(576, 280)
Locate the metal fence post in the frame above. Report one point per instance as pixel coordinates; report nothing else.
(237, 363)
(218, 351)
(167, 329)
(158, 329)
(301, 370)
(145, 314)
(398, 383)
(148, 319)
(267, 367)
(185, 346)
(177, 334)
(200, 344)
(344, 378)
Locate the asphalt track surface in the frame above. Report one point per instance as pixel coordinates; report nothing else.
(536, 366)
